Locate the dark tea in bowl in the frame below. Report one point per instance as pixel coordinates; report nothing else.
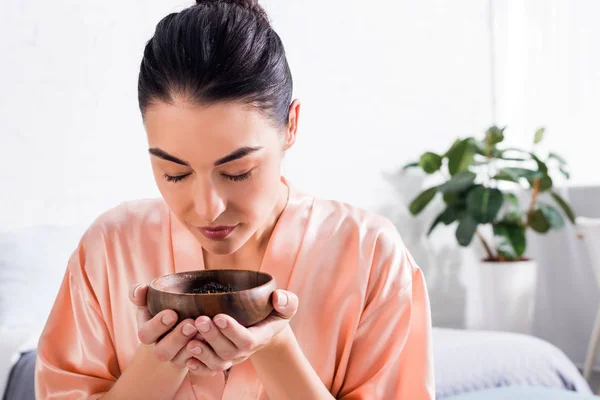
(242, 294)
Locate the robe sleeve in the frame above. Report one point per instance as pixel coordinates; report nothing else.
(76, 357)
(391, 355)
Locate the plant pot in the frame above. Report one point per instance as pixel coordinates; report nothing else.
(502, 296)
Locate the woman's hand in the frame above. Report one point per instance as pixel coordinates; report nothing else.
(172, 347)
(228, 343)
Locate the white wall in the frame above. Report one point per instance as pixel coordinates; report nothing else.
(379, 84)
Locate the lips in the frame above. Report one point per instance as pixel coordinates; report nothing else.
(216, 232)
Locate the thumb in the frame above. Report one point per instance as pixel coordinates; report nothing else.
(138, 294)
(285, 303)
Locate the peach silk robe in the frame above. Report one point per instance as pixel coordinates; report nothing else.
(363, 322)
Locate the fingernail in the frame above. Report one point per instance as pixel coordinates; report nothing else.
(197, 350)
(135, 289)
(192, 366)
(283, 300)
(189, 330)
(221, 323)
(203, 326)
(168, 319)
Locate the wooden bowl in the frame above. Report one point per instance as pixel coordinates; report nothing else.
(248, 303)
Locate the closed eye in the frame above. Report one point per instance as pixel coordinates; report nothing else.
(176, 178)
(240, 177)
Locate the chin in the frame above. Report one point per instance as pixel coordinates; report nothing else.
(221, 248)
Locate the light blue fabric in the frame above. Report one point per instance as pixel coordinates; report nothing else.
(470, 361)
(524, 393)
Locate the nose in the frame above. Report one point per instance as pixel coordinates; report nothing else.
(208, 203)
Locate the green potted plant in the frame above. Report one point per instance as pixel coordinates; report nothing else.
(481, 184)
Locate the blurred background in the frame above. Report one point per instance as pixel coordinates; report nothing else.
(381, 82)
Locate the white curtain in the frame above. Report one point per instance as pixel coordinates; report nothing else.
(546, 72)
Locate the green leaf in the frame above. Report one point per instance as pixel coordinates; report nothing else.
(460, 156)
(435, 223)
(430, 162)
(450, 197)
(513, 199)
(512, 158)
(449, 215)
(539, 135)
(545, 183)
(542, 167)
(509, 176)
(538, 221)
(514, 218)
(411, 165)
(451, 149)
(510, 239)
(484, 203)
(421, 201)
(465, 230)
(458, 182)
(558, 158)
(564, 172)
(479, 147)
(552, 215)
(564, 206)
(484, 149)
(452, 214)
(494, 135)
(517, 173)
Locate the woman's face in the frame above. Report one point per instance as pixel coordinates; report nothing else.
(218, 167)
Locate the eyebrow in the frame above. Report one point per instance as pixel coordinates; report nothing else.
(235, 155)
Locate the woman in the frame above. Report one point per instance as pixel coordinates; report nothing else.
(351, 317)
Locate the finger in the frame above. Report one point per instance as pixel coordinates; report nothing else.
(285, 303)
(220, 344)
(266, 329)
(236, 333)
(198, 368)
(142, 315)
(168, 347)
(199, 337)
(138, 294)
(181, 358)
(184, 359)
(202, 352)
(160, 324)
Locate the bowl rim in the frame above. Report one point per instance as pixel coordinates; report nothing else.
(151, 284)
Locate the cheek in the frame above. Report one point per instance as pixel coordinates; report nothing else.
(257, 199)
(173, 194)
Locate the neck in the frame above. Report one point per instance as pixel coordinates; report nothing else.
(251, 254)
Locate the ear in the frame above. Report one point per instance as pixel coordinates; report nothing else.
(292, 126)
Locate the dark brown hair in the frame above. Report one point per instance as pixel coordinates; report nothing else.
(214, 51)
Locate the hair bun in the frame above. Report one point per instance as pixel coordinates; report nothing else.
(243, 3)
(251, 5)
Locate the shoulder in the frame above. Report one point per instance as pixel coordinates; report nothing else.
(368, 244)
(348, 222)
(124, 229)
(129, 218)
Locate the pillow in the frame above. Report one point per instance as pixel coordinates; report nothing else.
(524, 393)
(32, 264)
(468, 361)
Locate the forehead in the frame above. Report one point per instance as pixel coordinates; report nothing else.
(206, 133)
